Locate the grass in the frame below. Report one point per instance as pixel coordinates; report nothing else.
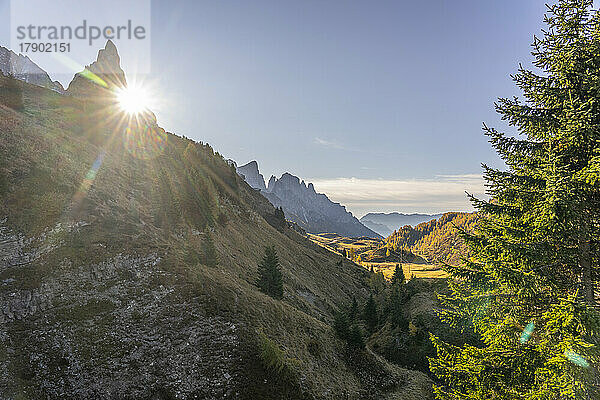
(410, 270)
(336, 243)
(165, 205)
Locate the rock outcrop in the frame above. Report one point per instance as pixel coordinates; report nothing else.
(21, 67)
(100, 83)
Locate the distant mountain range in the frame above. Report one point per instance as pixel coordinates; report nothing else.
(21, 67)
(312, 211)
(386, 224)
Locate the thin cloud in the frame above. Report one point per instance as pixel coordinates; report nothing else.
(443, 193)
(329, 144)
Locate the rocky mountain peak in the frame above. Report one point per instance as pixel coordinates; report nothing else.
(24, 69)
(301, 204)
(272, 181)
(104, 73)
(108, 59)
(289, 179)
(252, 175)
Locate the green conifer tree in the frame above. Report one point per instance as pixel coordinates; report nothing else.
(370, 313)
(355, 338)
(270, 280)
(341, 325)
(528, 291)
(398, 277)
(394, 308)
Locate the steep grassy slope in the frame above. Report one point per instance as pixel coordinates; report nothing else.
(103, 293)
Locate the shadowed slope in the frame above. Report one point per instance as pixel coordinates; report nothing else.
(103, 291)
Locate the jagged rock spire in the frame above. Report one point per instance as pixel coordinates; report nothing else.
(104, 73)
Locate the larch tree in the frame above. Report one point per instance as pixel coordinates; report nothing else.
(528, 289)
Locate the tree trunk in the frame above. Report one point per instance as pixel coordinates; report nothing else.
(586, 267)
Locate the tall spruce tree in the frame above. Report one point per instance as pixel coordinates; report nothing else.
(355, 338)
(370, 313)
(341, 325)
(270, 280)
(398, 277)
(394, 308)
(528, 291)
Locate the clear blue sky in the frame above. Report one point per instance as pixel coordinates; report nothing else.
(380, 91)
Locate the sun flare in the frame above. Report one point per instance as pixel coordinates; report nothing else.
(133, 99)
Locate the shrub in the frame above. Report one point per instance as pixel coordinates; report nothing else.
(341, 325)
(271, 355)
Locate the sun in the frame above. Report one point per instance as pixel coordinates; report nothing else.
(133, 99)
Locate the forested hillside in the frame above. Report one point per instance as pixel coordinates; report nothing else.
(439, 240)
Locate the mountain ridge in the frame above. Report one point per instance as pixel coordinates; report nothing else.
(24, 69)
(314, 212)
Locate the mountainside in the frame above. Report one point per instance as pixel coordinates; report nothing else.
(386, 224)
(105, 292)
(437, 240)
(312, 211)
(22, 68)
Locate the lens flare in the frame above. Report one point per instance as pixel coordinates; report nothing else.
(144, 142)
(133, 99)
(576, 359)
(88, 181)
(527, 332)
